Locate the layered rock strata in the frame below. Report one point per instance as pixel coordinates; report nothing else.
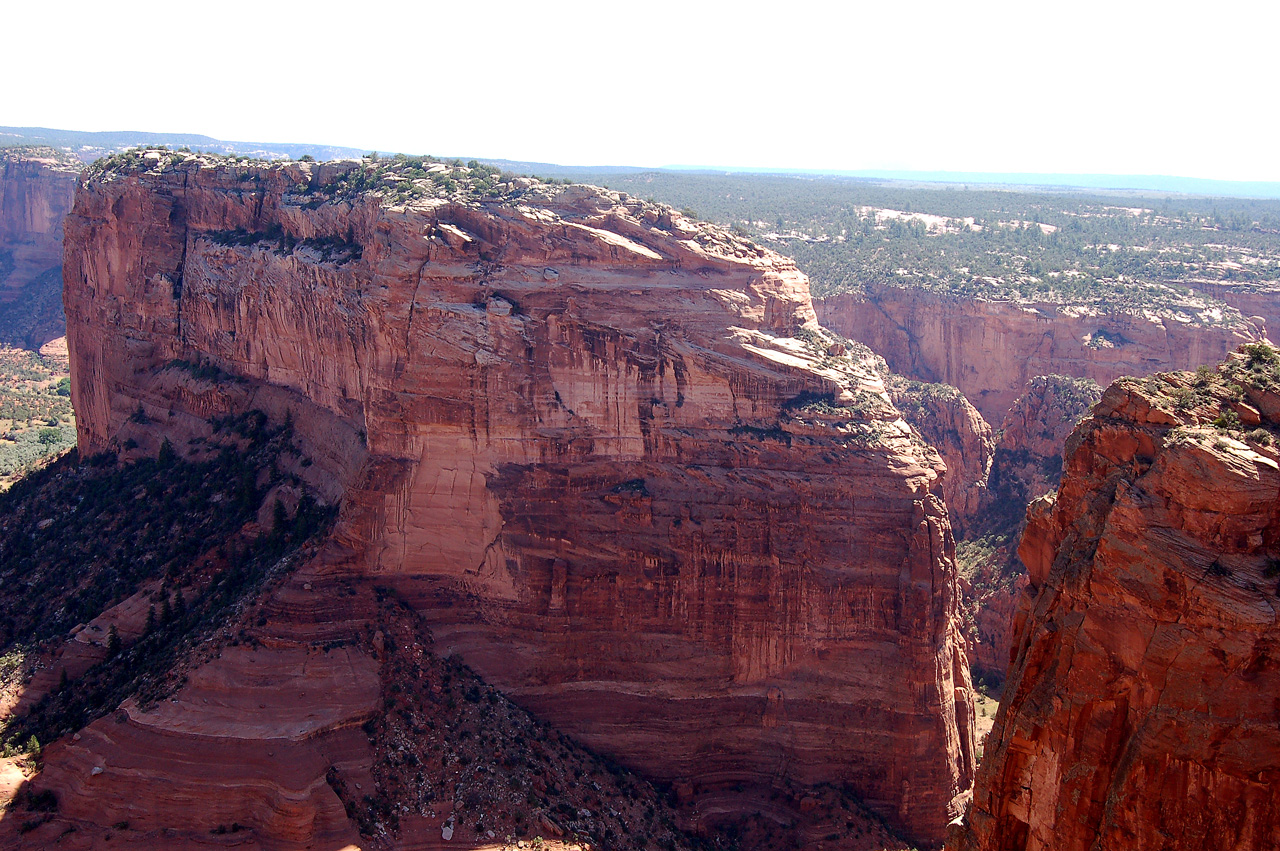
(318, 716)
(990, 350)
(1141, 707)
(37, 187)
(944, 418)
(606, 451)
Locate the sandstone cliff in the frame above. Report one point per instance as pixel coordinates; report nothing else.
(606, 452)
(36, 190)
(1141, 708)
(309, 712)
(990, 350)
(1027, 461)
(944, 418)
(1258, 300)
(988, 484)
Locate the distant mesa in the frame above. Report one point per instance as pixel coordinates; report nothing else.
(88, 146)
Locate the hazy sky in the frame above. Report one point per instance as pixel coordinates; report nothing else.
(1108, 87)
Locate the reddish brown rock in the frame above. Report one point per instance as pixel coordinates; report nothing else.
(1141, 708)
(248, 741)
(1026, 465)
(606, 451)
(306, 731)
(1257, 299)
(944, 418)
(994, 579)
(37, 187)
(1027, 462)
(990, 350)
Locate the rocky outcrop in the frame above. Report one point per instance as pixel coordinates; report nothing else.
(946, 420)
(606, 452)
(319, 716)
(1140, 710)
(1027, 461)
(1258, 300)
(990, 350)
(36, 190)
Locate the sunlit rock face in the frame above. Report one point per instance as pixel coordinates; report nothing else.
(36, 191)
(607, 451)
(944, 418)
(1141, 711)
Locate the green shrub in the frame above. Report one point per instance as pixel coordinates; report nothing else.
(1260, 354)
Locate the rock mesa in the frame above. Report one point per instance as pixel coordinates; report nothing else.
(607, 452)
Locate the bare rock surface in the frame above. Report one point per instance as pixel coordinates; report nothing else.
(37, 187)
(1026, 465)
(1140, 710)
(944, 418)
(606, 452)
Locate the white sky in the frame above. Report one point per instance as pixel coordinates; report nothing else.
(1108, 87)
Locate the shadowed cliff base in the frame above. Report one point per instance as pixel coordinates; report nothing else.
(316, 714)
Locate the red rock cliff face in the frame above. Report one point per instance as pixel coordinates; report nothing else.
(35, 195)
(990, 350)
(1141, 709)
(944, 418)
(602, 457)
(1260, 301)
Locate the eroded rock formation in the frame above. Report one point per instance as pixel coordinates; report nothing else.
(606, 451)
(1027, 461)
(36, 190)
(990, 350)
(944, 418)
(1141, 708)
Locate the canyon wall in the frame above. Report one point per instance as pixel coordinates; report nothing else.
(944, 418)
(1141, 709)
(990, 350)
(1027, 461)
(1258, 300)
(36, 192)
(606, 451)
(1026, 464)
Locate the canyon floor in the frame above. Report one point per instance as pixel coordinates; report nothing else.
(36, 419)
